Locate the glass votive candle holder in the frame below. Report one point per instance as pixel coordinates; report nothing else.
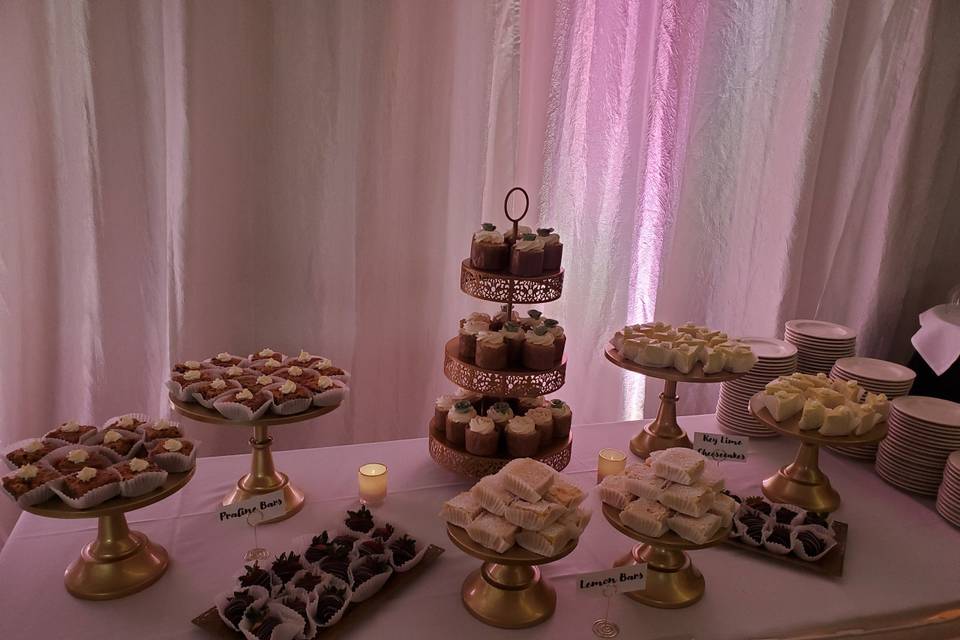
(372, 481)
(610, 462)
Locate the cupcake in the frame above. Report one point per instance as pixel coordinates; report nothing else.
(482, 437)
(206, 392)
(491, 351)
(162, 429)
(31, 451)
(224, 359)
(137, 477)
(71, 432)
(532, 320)
(552, 249)
(129, 469)
(531, 402)
(117, 442)
(510, 238)
(79, 484)
(526, 258)
(502, 317)
(175, 455)
(474, 398)
(268, 367)
(457, 420)
(28, 484)
(523, 440)
(266, 354)
(170, 445)
(538, 349)
(562, 418)
(257, 384)
(298, 374)
(441, 408)
(501, 414)
(559, 339)
(514, 336)
(191, 365)
(468, 338)
(193, 376)
(76, 459)
(488, 251)
(129, 422)
(543, 421)
(238, 373)
(290, 397)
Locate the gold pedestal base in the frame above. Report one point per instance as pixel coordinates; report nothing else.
(664, 432)
(264, 478)
(802, 483)
(508, 596)
(118, 563)
(672, 580)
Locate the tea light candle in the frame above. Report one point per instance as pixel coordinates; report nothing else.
(372, 479)
(610, 462)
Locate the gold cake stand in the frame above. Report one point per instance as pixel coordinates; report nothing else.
(672, 580)
(664, 432)
(508, 590)
(505, 383)
(263, 476)
(459, 460)
(119, 562)
(801, 482)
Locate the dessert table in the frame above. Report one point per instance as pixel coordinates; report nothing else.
(900, 555)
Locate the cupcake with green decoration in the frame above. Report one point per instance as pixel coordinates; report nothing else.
(488, 251)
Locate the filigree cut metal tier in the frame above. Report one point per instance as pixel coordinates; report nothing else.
(458, 460)
(510, 383)
(505, 288)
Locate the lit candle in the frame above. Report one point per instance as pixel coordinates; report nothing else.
(372, 479)
(610, 462)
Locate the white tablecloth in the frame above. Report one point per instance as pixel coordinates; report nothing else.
(900, 554)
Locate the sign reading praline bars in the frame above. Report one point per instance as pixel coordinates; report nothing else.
(266, 505)
(630, 577)
(718, 446)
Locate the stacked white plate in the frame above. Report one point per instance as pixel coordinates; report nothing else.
(948, 498)
(922, 433)
(819, 344)
(876, 376)
(775, 358)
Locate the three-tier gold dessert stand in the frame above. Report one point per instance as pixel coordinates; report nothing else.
(508, 590)
(801, 482)
(665, 432)
(672, 580)
(263, 476)
(119, 562)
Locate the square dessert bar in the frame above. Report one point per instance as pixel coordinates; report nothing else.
(527, 479)
(646, 516)
(77, 488)
(461, 509)
(613, 491)
(491, 494)
(549, 541)
(533, 515)
(492, 532)
(679, 465)
(696, 530)
(692, 501)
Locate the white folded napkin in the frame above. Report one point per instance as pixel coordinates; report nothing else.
(938, 340)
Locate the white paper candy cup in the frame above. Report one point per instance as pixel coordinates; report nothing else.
(236, 411)
(774, 547)
(259, 594)
(331, 397)
(287, 630)
(141, 483)
(140, 417)
(370, 587)
(741, 531)
(820, 532)
(337, 583)
(133, 436)
(419, 550)
(38, 494)
(22, 443)
(232, 385)
(93, 497)
(179, 392)
(785, 508)
(312, 569)
(309, 627)
(55, 456)
(176, 462)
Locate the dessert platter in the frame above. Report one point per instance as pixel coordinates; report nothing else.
(315, 587)
(817, 411)
(671, 503)
(504, 364)
(789, 535)
(524, 516)
(259, 391)
(688, 353)
(80, 471)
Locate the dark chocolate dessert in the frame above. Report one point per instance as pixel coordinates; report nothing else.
(329, 603)
(754, 526)
(382, 533)
(759, 504)
(337, 565)
(236, 605)
(813, 518)
(367, 569)
(736, 498)
(308, 581)
(346, 541)
(780, 535)
(262, 623)
(812, 543)
(255, 576)
(320, 547)
(404, 549)
(371, 548)
(285, 565)
(361, 520)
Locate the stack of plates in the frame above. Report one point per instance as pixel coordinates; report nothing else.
(774, 358)
(923, 432)
(948, 498)
(819, 344)
(876, 376)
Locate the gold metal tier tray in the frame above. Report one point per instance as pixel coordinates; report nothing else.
(801, 482)
(496, 286)
(508, 590)
(507, 383)
(119, 562)
(459, 460)
(664, 432)
(672, 580)
(263, 476)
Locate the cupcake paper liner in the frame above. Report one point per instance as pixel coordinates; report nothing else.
(309, 627)
(136, 437)
(37, 495)
(232, 385)
(143, 482)
(57, 455)
(19, 444)
(178, 392)
(236, 411)
(93, 497)
(795, 520)
(820, 532)
(142, 417)
(741, 530)
(151, 423)
(221, 601)
(336, 582)
(419, 550)
(331, 397)
(774, 547)
(370, 587)
(287, 407)
(287, 630)
(176, 462)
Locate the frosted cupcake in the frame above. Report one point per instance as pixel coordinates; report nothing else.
(562, 418)
(491, 351)
(559, 339)
(523, 440)
(543, 422)
(467, 349)
(552, 249)
(526, 258)
(513, 336)
(538, 349)
(458, 418)
(441, 408)
(509, 236)
(501, 414)
(532, 320)
(501, 318)
(488, 251)
(482, 437)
